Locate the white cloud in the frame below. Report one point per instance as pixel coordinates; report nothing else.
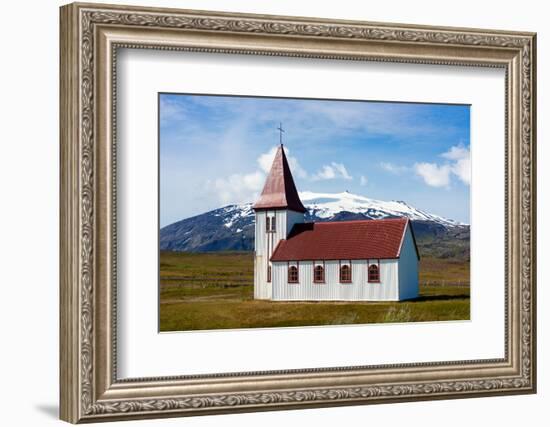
(332, 171)
(364, 180)
(395, 169)
(462, 169)
(433, 174)
(327, 172)
(439, 175)
(462, 164)
(266, 160)
(457, 152)
(243, 188)
(341, 169)
(237, 188)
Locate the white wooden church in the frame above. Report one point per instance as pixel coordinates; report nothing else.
(363, 260)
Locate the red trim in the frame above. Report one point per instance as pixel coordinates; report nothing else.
(340, 272)
(297, 267)
(314, 278)
(369, 264)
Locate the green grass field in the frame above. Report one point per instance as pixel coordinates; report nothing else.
(201, 291)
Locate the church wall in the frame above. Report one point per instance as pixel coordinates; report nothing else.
(265, 243)
(408, 268)
(262, 290)
(280, 232)
(358, 290)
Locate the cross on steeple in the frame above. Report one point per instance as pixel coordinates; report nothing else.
(281, 130)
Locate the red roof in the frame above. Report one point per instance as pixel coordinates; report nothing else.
(279, 190)
(343, 240)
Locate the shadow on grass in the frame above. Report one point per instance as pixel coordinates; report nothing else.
(440, 297)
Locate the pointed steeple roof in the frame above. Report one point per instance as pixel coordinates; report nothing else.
(279, 190)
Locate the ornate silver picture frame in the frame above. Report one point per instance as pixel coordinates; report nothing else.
(91, 34)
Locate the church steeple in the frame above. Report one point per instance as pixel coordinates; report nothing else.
(279, 190)
(277, 210)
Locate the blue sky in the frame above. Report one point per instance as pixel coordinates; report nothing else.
(216, 150)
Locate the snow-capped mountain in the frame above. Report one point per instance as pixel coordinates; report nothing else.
(329, 205)
(232, 227)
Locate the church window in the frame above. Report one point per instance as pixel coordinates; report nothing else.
(292, 274)
(319, 274)
(374, 273)
(270, 224)
(345, 273)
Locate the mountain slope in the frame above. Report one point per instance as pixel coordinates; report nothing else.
(232, 227)
(328, 205)
(227, 228)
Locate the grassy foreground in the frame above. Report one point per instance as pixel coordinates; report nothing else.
(215, 291)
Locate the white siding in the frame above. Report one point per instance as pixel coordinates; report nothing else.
(408, 268)
(262, 289)
(265, 244)
(332, 289)
(280, 232)
(398, 278)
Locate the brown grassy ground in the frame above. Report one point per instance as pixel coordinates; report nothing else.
(215, 291)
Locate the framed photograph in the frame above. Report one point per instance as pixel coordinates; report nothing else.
(267, 212)
(243, 248)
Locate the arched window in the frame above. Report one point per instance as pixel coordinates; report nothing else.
(374, 274)
(345, 273)
(292, 274)
(319, 274)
